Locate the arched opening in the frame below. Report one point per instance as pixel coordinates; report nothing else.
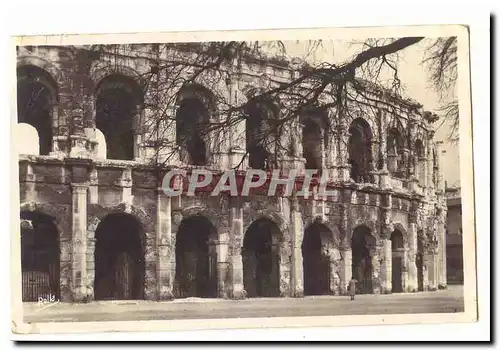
(261, 260)
(397, 260)
(361, 244)
(419, 260)
(420, 161)
(196, 258)
(261, 134)
(119, 258)
(39, 257)
(37, 103)
(316, 264)
(395, 146)
(195, 108)
(311, 144)
(360, 150)
(118, 107)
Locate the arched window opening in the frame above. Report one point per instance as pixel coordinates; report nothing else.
(261, 259)
(119, 101)
(119, 258)
(311, 144)
(261, 134)
(40, 257)
(362, 243)
(397, 260)
(37, 103)
(196, 258)
(395, 152)
(360, 151)
(195, 110)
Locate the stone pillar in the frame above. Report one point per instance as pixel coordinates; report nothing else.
(344, 169)
(235, 270)
(441, 236)
(79, 242)
(61, 121)
(422, 169)
(165, 247)
(374, 176)
(383, 140)
(221, 247)
(383, 173)
(126, 185)
(297, 233)
(431, 262)
(430, 165)
(93, 187)
(412, 283)
(404, 269)
(439, 176)
(375, 253)
(386, 266)
(150, 250)
(345, 268)
(78, 139)
(332, 157)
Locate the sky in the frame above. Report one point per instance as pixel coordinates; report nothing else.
(414, 77)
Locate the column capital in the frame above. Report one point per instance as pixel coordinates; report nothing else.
(80, 188)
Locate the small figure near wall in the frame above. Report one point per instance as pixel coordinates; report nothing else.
(352, 287)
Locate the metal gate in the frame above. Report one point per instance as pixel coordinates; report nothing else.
(40, 283)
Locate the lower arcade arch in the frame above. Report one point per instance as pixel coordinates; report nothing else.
(397, 260)
(40, 255)
(316, 264)
(261, 259)
(196, 258)
(362, 243)
(119, 258)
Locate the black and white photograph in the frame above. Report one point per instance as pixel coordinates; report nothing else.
(168, 178)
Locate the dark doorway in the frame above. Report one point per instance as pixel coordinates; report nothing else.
(196, 259)
(39, 257)
(118, 100)
(419, 261)
(316, 265)
(36, 101)
(261, 259)
(397, 261)
(119, 258)
(362, 269)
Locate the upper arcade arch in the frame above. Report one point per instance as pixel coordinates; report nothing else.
(261, 133)
(119, 104)
(37, 103)
(360, 150)
(196, 108)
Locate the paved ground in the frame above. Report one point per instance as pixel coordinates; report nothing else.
(450, 300)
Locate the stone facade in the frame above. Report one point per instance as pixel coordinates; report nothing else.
(402, 195)
(454, 237)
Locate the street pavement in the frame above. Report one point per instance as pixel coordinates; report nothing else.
(441, 301)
